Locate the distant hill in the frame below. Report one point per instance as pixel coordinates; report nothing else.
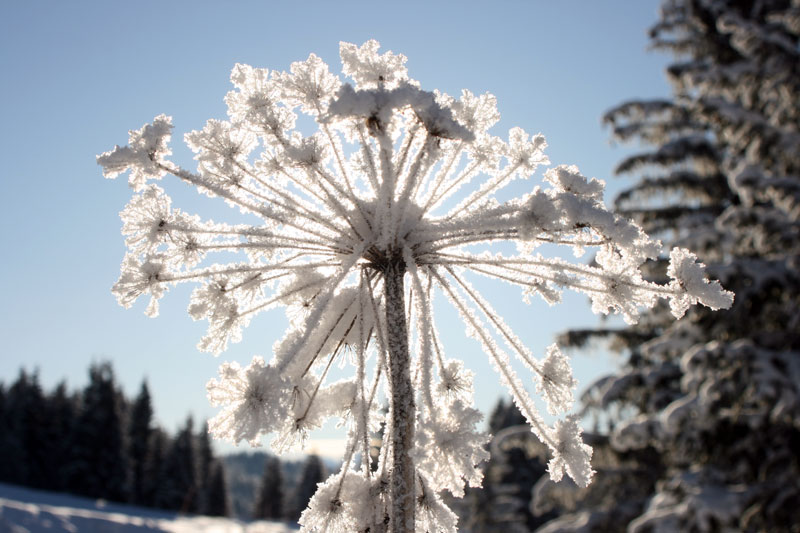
(243, 471)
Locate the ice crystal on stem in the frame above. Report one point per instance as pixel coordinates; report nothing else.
(253, 398)
(556, 382)
(354, 242)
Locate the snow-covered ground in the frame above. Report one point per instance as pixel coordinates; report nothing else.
(25, 510)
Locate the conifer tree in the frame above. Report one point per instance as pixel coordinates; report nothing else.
(205, 464)
(101, 463)
(516, 463)
(61, 415)
(16, 423)
(140, 431)
(313, 473)
(178, 489)
(217, 500)
(32, 409)
(504, 415)
(154, 467)
(270, 500)
(9, 441)
(705, 411)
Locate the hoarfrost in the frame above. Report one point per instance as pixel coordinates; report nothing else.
(346, 216)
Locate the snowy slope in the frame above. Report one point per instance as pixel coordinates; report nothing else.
(25, 510)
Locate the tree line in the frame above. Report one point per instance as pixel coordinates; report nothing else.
(97, 443)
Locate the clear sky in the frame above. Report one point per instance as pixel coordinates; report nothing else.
(77, 75)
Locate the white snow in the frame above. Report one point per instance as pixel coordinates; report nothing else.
(24, 510)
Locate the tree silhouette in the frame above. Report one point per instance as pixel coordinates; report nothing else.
(217, 502)
(205, 470)
(313, 473)
(61, 411)
(270, 501)
(154, 467)
(140, 431)
(178, 480)
(101, 464)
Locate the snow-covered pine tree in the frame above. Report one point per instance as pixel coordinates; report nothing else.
(271, 492)
(504, 415)
(516, 463)
(354, 229)
(713, 401)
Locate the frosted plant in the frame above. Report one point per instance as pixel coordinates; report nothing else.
(391, 202)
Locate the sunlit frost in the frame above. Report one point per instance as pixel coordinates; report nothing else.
(396, 190)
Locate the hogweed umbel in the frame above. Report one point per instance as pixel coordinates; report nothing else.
(354, 237)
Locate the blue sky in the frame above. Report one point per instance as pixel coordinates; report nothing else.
(78, 75)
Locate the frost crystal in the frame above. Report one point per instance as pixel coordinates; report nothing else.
(144, 156)
(341, 504)
(571, 455)
(449, 448)
(556, 381)
(255, 400)
(353, 239)
(691, 285)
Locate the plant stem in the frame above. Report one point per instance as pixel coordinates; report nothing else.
(403, 408)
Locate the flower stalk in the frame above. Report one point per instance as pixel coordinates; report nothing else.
(403, 408)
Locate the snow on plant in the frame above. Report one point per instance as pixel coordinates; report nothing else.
(391, 201)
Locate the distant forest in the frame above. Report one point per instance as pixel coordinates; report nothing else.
(96, 442)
